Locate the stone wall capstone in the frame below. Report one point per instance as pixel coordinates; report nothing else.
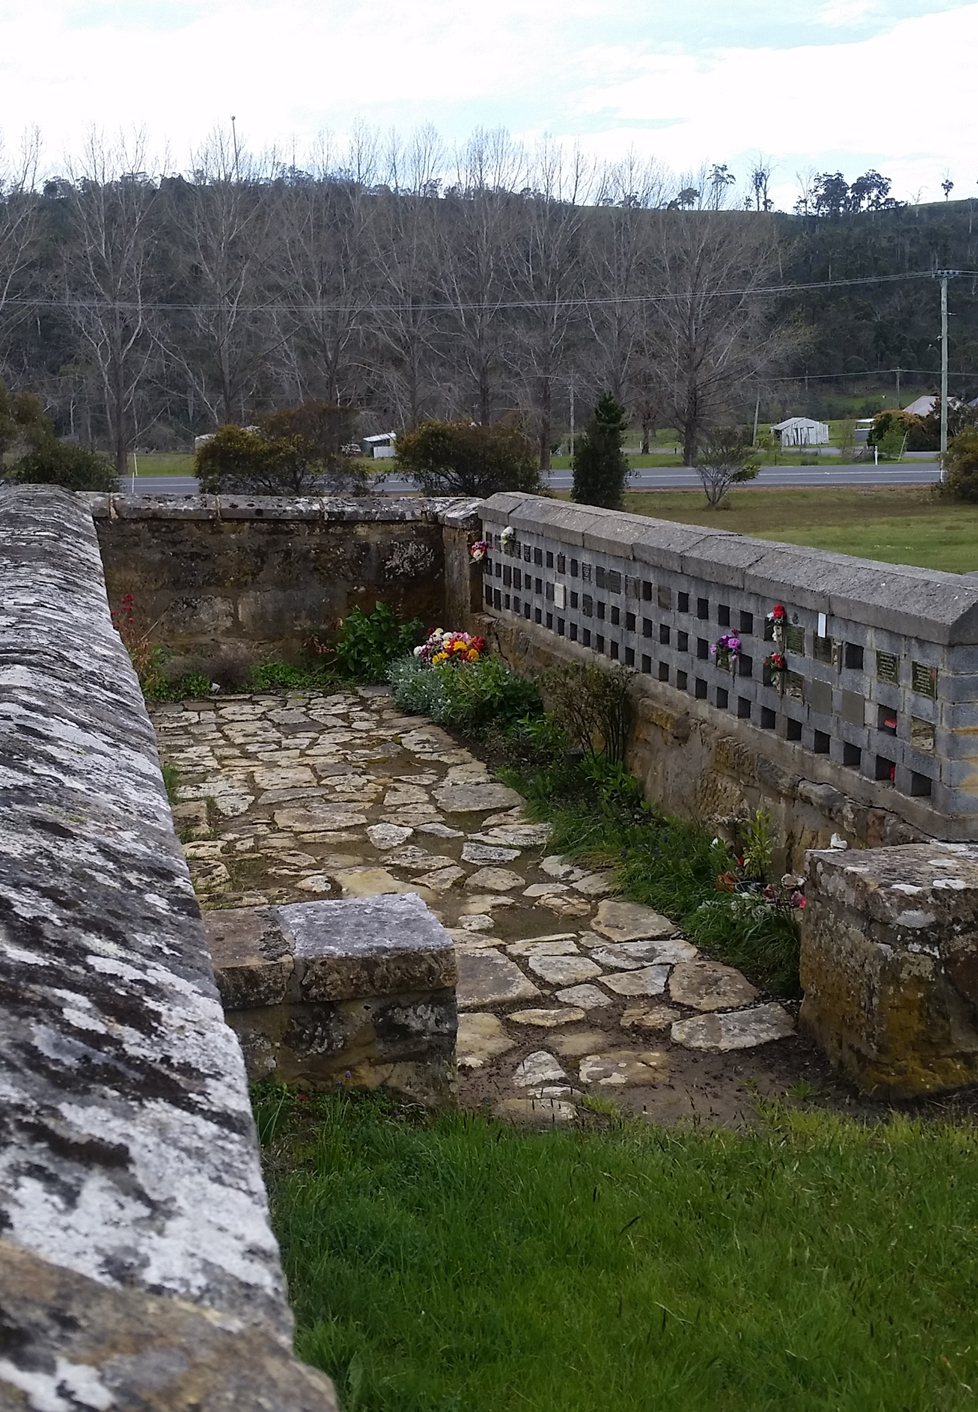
(137, 1264)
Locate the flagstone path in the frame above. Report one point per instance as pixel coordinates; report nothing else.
(566, 994)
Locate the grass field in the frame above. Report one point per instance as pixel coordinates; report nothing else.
(457, 1265)
(906, 525)
(163, 463)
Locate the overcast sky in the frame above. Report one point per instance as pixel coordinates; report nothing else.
(811, 84)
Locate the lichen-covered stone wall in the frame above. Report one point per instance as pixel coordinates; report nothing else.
(137, 1265)
(228, 581)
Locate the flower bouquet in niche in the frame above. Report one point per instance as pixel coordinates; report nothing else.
(726, 650)
(478, 551)
(442, 648)
(775, 669)
(778, 620)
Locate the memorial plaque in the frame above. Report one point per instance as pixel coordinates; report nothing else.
(921, 734)
(794, 639)
(823, 649)
(663, 596)
(924, 680)
(794, 686)
(888, 667)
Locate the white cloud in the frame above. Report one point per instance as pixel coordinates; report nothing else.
(892, 93)
(902, 101)
(846, 12)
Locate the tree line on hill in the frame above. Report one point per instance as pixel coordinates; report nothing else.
(145, 310)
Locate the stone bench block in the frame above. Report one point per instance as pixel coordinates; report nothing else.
(360, 993)
(889, 965)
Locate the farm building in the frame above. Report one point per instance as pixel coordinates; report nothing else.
(802, 431)
(380, 446)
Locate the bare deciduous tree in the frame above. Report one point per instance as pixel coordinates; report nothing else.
(108, 277)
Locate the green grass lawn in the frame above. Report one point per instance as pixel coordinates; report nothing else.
(458, 1265)
(163, 463)
(899, 525)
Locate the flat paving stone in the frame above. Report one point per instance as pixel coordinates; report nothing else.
(587, 997)
(540, 1067)
(386, 836)
(628, 921)
(617, 1068)
(442, 879)
(632, 955)
(369, 882)
(487, 978)
(488, 853)
(475, 798)
(563, 970)
(547, 1019)
(650, 980)
(481, 1038)
(739, 1029)
(319, 816)
(707, 985)
(649, 1017)
(495, 880)
(515, 835)
(593, 884)
(535, 1112)
(565, 945)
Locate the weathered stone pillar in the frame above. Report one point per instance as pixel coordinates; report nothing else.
(889, 965)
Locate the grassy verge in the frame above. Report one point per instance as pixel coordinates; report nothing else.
(456, 1265)
(905, 525)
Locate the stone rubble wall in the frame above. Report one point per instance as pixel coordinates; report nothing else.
(137, 1264)
(889, 966)
(875, 717)
(356, 994)
(226, 581)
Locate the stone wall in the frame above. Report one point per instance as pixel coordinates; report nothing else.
(871, 730)
(357, 993)
(137, 1265)
(224, 581)
(889, 965)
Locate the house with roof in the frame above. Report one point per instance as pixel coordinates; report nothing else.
(801, 431)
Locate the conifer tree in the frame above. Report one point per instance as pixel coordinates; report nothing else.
(600, 466)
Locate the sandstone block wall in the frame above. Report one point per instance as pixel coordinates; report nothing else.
(238, 579)
(889, 965)
(137, 1264)
(356, 994)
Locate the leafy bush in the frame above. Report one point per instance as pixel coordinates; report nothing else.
(467, 698)
(53, 462)
(294, 451)
(367, 643)
(459, 458)
(961, 467)
(290, 676)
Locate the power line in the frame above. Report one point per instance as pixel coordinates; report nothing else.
(578, 301)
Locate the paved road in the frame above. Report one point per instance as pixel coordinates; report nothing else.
(665, 478)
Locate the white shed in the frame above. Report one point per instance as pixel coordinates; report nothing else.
(802, 431)
(379, 447)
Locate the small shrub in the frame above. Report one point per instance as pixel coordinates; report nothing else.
(367, 643)
(468, 699)
(961, 467)
(600, 465)
(592, 706)
(418, 690)
(54, 462)
(290, 676)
